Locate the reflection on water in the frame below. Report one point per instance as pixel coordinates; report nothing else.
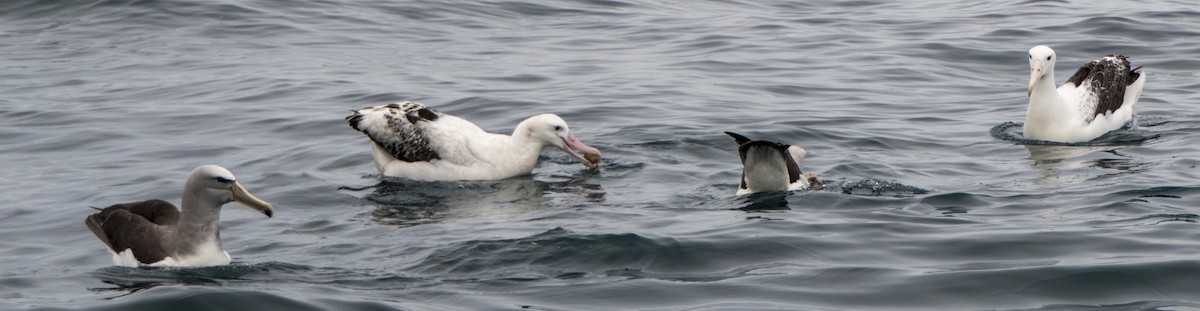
(127, 280)
(1052, 155)
(1012, 131)
(765, 201)
(405, 203)
(1052, 161)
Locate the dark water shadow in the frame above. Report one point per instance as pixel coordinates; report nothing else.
(128, 281)
(764, 201)
(403, 202)
(1012, 132)
(554, 253)
(203, 288)
(779, 200)
(132, 280)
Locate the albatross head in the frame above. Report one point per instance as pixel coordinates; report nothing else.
(553, 130)
(1041, 61)
(217, 182)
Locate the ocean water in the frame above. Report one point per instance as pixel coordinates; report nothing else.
(911, 110)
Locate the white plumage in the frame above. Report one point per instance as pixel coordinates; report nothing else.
(412, 141)
(1097, 99)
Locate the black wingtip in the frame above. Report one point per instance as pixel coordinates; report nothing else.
(427, 114)
(738, 138)
(354, 120)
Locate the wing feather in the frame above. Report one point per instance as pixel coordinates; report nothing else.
(399, 128)
(1104, 82)
(136, 226)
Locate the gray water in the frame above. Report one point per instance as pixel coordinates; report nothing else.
(907, 108)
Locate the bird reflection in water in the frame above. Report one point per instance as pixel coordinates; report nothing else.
(409, 203)
(764, 201)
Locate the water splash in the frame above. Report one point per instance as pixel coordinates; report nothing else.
(875, 187)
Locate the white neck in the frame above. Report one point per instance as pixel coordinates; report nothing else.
(1046, 107)
(522, 149)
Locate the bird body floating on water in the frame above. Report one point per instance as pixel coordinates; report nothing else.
(771, 166)
(1097, 99)
(412, 141)
(155, 233)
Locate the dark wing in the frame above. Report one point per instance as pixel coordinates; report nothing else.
(794, 173)
(1106, 78)
(136, 226)
(738, 138)
(395, 128)
(793, 168)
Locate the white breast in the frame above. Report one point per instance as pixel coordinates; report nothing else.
(208, 253)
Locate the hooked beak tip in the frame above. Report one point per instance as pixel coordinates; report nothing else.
(590, 156)
(244, 197)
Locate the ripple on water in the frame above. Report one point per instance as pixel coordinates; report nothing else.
(116, 100)
(1011, 131)
(207, 298)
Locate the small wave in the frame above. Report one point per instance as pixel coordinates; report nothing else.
(193, 298)
(1160, 192)
(1012, 131)
(132, 280)
(557, 250)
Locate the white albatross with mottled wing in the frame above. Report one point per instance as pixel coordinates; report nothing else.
(412, 141)
(155, 233)
(1097, 99)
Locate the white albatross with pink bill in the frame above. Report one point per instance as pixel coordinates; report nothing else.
(409, 140)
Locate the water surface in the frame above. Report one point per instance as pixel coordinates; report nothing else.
(907, 108)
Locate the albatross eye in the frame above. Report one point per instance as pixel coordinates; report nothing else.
(1030, 56)
(1048, 57)
(223, 180)
(557, 128)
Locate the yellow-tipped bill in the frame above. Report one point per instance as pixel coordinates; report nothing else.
(249, 200)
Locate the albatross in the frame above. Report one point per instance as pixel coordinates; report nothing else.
(771, 166)
(155, 233)
(410, 140)
(1097, 99)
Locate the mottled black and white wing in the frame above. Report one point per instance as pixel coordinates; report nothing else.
(399, 129)
(1103, 83)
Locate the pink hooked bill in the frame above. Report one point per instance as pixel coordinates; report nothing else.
(590, 156)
